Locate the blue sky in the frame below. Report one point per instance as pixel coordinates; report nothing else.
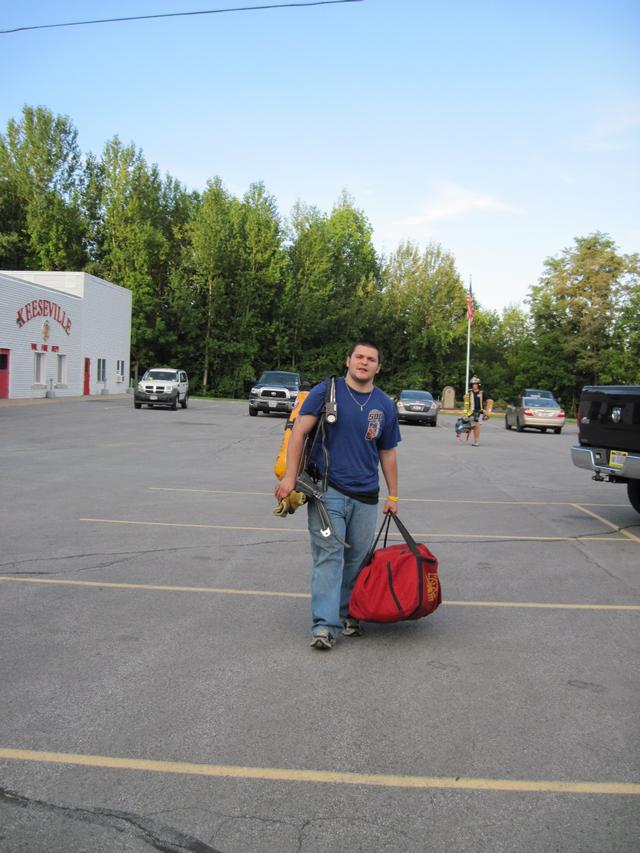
(500, 130)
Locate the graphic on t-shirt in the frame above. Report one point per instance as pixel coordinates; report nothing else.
(375, 419)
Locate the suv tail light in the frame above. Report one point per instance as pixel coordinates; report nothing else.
(560, 413)
(528, 412)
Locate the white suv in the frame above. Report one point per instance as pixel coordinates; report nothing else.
(162, 386)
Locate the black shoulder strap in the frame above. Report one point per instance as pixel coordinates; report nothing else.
(328, 416)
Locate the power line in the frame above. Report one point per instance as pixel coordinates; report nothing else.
(180, 14)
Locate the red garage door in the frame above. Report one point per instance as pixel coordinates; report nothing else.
(4, 373)
(86, 390)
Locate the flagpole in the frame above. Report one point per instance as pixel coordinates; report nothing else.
(466, 384)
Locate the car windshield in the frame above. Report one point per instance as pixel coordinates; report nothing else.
(280, 377)
(535, 392)
(160, 375)
(425, 396)
(539, 403)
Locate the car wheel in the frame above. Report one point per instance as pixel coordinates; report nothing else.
(507, 425)
(519, 426)
(174, 404)
(633, 491)
(137, 405)
(185, 402)
(434, 423)
(558, 430)
(253, 412)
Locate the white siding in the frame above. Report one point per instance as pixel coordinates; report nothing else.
(106, 331)
(100, 315)
(14, 296)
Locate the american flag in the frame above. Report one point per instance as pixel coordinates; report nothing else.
(470, 308)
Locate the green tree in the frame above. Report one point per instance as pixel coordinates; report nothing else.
(423, 318)
(332, 283)
(238, 272)
(137, 239)
(40, 180)
(307, 291)
(584, 309)
(212, 246)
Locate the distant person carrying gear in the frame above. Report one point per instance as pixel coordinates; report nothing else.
(478, 407)
(363, 435)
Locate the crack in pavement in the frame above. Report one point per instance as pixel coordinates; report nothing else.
(226, 447)
(156, 835)
(302, 825)
(595, 563)
(126, 555)
(352, 822)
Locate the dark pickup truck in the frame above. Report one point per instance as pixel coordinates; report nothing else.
(609, 436)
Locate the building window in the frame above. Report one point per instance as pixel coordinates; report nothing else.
(102, 370)
(38, 367)
(120, 370)
(62, 369)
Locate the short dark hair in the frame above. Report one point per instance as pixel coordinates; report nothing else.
(365, 344)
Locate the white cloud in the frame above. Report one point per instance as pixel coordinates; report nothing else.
(453, 202)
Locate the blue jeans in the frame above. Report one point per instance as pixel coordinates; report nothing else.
(335, 568)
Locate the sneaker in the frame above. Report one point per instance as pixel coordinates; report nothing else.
(323, 640)
(475, 444)
(351, 627)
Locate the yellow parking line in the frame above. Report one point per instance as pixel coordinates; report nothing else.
(541, 605)
(186, 524)
(404, 500)
(587, 537)
(278, 774)
(208, 491)
(157, 587)
(609, 524)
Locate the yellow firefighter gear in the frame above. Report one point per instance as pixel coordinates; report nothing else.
(280, 465)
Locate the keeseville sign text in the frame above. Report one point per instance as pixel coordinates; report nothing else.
(43, 308)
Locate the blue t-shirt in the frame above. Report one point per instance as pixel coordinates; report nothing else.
(354, 441)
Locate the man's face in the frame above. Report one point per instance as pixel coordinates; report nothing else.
(475, 387)
(363, 364)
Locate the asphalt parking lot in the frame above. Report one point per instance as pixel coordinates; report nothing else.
(158, 690)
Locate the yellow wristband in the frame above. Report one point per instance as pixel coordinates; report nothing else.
(393, 498)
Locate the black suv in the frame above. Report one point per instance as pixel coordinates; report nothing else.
(275, 391)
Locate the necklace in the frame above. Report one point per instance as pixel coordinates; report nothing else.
(354, 399)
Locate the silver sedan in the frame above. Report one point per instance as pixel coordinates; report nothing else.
(417, 407)
(535, 412)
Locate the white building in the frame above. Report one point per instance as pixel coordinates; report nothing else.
(63, 332)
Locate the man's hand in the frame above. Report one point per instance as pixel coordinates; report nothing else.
(389, 465)
(290, 504)
(285, 487)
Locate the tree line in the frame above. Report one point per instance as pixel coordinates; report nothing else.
(227, 287)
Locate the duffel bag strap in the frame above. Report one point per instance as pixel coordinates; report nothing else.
(385, 524)
(408, 538)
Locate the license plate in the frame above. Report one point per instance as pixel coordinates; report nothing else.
(273, 404)
(153, 396)
(617, 458)
(416, 408)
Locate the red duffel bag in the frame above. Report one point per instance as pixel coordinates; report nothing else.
(397, 582)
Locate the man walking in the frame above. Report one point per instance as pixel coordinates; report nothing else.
(477, 404)
(364, 436)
